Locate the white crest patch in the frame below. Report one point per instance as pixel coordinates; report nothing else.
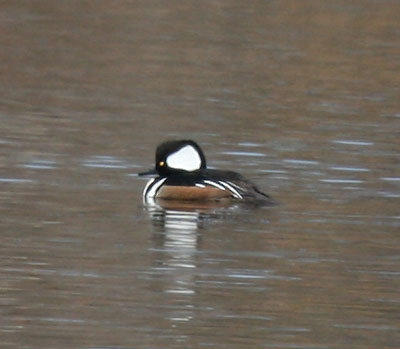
(187, 159)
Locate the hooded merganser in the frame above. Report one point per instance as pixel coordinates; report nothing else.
(182, 175)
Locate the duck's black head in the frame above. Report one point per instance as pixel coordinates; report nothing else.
(177, 156)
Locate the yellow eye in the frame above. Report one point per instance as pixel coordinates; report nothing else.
(161, 163)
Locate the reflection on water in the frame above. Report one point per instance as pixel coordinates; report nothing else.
(178, 229)
(176, 236)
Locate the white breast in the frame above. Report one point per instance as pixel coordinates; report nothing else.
(152, 186)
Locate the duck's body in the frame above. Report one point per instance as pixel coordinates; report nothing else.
(182, 175)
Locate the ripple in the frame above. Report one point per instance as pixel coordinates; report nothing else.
(108, 162)
(62, 320)
(390, 179)
(367, 327)
(15, 180)
(272, 171)
(386, 194)
(340, 181)
(350, 142)
(349, 169)
(301, 162)
(246, 317)
(180, 291)
(244, 153)
(249, 144)
(40, 165)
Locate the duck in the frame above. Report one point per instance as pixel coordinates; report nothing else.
(181, 174)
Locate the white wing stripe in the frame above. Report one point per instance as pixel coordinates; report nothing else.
(235, 185)
(232, 190)
(225, 186)
(214, 184)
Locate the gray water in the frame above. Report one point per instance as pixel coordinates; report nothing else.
(301, 97)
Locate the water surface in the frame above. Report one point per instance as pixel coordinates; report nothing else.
(302, 98)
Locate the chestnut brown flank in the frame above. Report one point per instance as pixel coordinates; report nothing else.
(192, 193)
